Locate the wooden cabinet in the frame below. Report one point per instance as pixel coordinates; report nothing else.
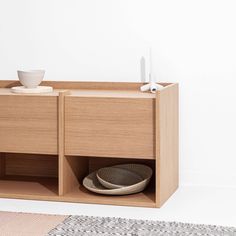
(50, 142)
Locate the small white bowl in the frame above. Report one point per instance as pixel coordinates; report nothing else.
(31, 78)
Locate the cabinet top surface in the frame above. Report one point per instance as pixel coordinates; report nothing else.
(111, 93)
(88, 93)
(87, 89)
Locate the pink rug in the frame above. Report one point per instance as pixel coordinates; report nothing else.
(27, 224)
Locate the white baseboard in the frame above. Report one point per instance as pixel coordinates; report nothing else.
(211, 179)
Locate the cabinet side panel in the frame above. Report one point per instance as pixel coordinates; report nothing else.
(71, 169)
(28, 124)
(61, 142)
(110, 127)
(75, 169)
(167, 146)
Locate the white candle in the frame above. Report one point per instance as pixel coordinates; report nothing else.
(150, 65)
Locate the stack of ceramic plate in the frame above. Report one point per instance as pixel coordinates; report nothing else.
(119, 179)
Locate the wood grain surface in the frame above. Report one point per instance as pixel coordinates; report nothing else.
(109, 127)
(28, 125)
(167, 147)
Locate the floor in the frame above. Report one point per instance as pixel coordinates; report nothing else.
(201, 205)
(29, 224)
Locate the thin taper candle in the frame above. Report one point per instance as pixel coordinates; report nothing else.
(150, 64)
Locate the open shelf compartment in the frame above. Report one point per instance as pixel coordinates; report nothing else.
(79, 167)
(35, 176)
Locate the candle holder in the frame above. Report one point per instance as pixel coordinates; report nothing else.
(152, 87)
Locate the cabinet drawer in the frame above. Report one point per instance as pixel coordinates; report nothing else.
(109, 127)
(28, 124)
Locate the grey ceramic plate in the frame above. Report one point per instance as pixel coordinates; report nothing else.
(92, 183)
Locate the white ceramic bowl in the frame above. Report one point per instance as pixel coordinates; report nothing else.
(31, 78)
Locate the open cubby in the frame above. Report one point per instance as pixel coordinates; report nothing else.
(28, 174)
(50, 142)
(89, 164)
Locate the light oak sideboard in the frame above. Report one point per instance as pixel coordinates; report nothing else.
(50, 142)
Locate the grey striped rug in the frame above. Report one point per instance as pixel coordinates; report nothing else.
(106, 226)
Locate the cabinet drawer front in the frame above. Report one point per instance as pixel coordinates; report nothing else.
(28, 124)
(109, 127)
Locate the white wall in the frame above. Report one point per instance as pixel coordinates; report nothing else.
(194, 43)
